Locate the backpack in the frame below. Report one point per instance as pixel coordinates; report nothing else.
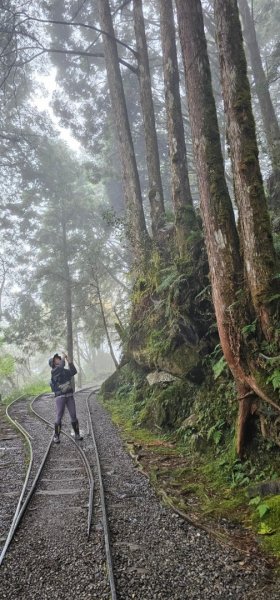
(66, 387)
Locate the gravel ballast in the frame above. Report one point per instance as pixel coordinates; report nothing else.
(156, 554)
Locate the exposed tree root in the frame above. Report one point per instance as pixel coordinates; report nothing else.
(250, 380)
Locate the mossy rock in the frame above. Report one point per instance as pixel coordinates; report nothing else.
(110, 385)
(168, 405)
(182, 362)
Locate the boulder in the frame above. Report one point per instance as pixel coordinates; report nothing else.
(160, 377)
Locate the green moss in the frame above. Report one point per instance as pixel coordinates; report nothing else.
(166, 406)
(170, 316)
(269, 526)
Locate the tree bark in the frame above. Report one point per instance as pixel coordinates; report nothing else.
(152, 153)
(130, 177)
(270, 122)
(217, 214)
(221, 237)
(216, 208)
(246, 402)
(185, 218)
(255, 229)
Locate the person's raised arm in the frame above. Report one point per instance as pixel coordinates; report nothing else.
(71, 365)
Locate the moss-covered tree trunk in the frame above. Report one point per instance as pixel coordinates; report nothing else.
(270, 122)
(225, 258)
(185, 218)
(218, 219)
(130, 177)
(255, 229)
(215, 203)
(147, 105)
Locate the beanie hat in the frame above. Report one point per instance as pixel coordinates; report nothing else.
(51, 360)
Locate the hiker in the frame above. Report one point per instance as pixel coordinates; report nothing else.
(63, 391)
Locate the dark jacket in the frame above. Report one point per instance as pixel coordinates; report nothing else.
(61, 375)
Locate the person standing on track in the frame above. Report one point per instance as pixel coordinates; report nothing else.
(63, 390)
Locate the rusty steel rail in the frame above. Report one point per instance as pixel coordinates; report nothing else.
(24, 500)
(85, 461)
(21, 502)
(103, 506)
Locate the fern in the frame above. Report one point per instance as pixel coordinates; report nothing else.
(251, 328)
(219, 367)
(167, 282)
(274, 378)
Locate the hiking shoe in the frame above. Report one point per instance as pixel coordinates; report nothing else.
(56, 439)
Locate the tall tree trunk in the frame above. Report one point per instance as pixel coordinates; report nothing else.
(217, 214)
(255, 229)
(220, 230)
(271, 125)
(2, 284)
(131, 184)
(152, 152)
(105, 324)
(80, 376)
(67, 292)
(185, 218)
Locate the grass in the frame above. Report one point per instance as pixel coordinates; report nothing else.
(31, 389)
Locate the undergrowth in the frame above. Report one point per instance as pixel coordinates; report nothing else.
(191, 456)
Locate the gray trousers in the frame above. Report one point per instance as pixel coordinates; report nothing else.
(61, 402)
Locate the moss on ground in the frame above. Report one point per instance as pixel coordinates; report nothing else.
(268, 526)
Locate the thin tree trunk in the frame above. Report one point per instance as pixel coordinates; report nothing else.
(131, 184)
(120, 328)
(152, 153)
(67, 292)
(271, 125)
(105, 324)
(185, 218)
(2, 284)
(255, 229)
(80, 377)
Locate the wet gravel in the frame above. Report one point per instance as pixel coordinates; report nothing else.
(156, 555)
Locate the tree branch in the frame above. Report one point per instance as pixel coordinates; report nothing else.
(85, 25)
(80, 53)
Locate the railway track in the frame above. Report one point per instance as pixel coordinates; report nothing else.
(53, 472)
(156, 554)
